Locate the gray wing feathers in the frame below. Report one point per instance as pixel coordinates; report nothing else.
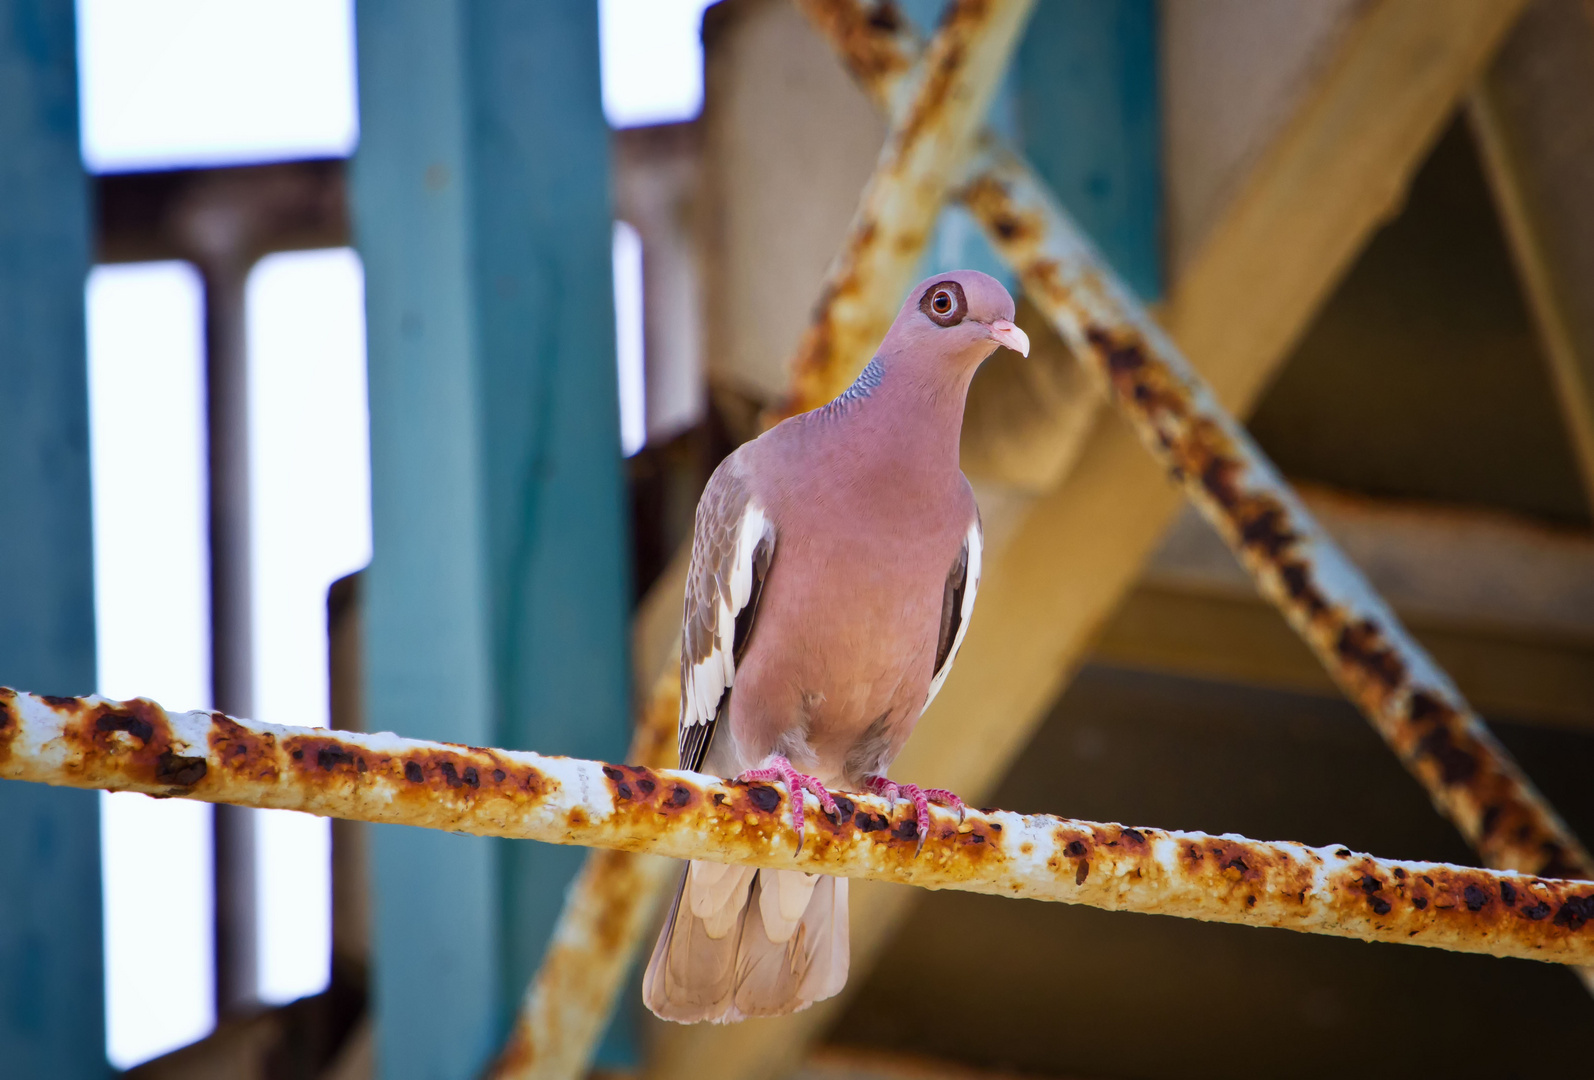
(692, 975)
(786, 967)
(741, 942)
(733, 545)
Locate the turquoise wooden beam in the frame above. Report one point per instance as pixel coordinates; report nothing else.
(498, 600)
(1090, 119)
(52, 1002)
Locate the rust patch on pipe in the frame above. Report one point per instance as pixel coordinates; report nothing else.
(1291, 886)
(869, 37)
(327, 757)
(951, 850)
(563, 1013)
(518, 1057)
(611, 928)
(638, 789)
(130, 737)
(458, 775)
(964, 18)
(241, 753)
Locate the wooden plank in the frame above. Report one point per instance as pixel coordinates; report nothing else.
(52, 1002)
(558, 549)
(1506, 605)
(1336, 169)
(1234, 72)
(1438, 565)
(498, 593)
(1531, 115)
(1353, 151)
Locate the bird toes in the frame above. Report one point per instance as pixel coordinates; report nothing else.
(779, 769)
(885, 788)
(921, 798)
(943, 797)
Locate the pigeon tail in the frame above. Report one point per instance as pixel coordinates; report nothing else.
(741, 942)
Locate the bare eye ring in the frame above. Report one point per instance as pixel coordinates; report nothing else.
(944, 303)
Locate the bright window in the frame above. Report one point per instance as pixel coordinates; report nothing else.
(310, 522)
(652, 56)
(628, 338)
(152, 619)
(169, 83)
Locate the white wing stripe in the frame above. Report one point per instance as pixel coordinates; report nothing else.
(747, 538)
(715, 673)
(973, 586)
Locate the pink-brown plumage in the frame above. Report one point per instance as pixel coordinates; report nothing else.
(835, 561)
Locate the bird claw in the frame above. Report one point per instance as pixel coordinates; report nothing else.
(778, 770)
(943, 797)
(921, 798)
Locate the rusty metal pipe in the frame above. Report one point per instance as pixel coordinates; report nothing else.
(137, 746)
(1471, 778)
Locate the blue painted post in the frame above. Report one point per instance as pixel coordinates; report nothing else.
(52, 1001)
(1091, 121)
(497, 598)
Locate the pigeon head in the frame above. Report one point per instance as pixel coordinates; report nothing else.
(959, 318)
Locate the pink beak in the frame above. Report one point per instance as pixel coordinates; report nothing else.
(1004, 332)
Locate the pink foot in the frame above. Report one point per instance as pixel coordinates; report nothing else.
(778, 769)
(921, 798)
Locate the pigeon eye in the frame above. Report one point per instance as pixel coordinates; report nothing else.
(944, 303)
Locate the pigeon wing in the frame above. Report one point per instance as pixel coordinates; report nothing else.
(733, 545)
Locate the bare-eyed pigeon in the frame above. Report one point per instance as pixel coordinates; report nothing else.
(834, 567)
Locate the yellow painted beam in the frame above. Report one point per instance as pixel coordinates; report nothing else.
(1533, 113)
